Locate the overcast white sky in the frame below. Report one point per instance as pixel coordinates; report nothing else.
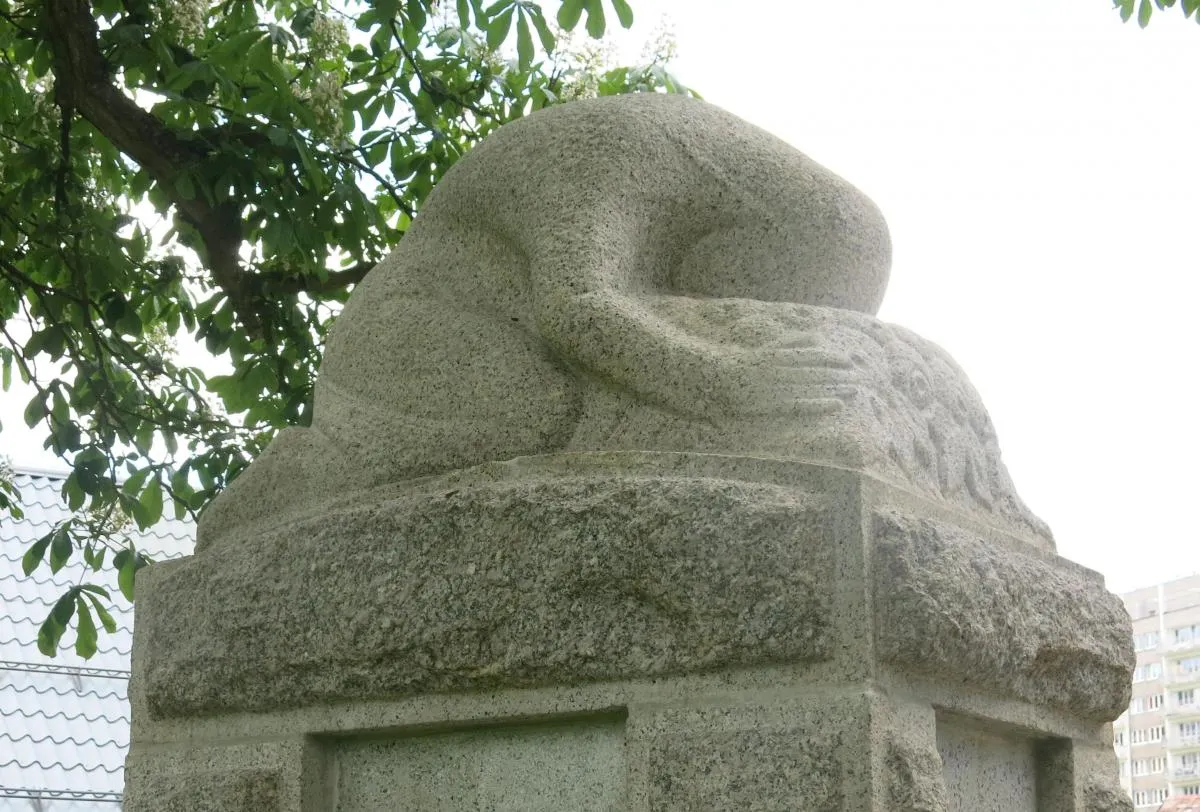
(1039, 164)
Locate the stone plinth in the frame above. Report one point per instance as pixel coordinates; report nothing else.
(629, 631)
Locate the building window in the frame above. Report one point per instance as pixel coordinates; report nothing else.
(1148, 797)
(1189, 665)
(1187, 634)
(1186, 765)
(1119, 739)
(1150, 671)
(1147, 735)
(1190, 789)
(1184, 698)
(1149, 766)
(1189, 730)
(1141, 704)
(1145, 642)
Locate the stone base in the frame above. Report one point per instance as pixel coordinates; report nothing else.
(760, 739)
(629, 632)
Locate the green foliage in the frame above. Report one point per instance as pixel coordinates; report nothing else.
(221, 173)
(1146, 8)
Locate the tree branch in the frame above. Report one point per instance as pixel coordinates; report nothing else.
(334, 281)
(83, 77)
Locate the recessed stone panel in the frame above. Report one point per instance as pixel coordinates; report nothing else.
(987, 770)
(530, 768)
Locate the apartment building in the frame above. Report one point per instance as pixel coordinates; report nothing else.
(1158, 738)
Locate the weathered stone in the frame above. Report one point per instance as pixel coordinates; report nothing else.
(642, 272)
(998, 616)
(988, 770)
(468, 584)
(1106, 798)
(915, 777)
(617, 496)
(234, 791)
(531, 768)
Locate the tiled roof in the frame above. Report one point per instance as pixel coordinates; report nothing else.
(1181, 803)
(64, 722)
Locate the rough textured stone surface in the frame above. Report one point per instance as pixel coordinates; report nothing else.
(987, 770)
(957, 607)
(1106, 799)
(641, 272)
(530, 768)
(486, 584)
(238, 791)
(614, 444)
(915, 777)
(767, 770)
(787, 756)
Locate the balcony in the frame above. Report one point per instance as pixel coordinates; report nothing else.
(1183, 678)
(1185, 771)
(1175, 710)
(1188, 742)
(1183, 647)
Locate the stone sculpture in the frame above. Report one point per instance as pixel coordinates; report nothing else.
(617, 496)
(646, 273)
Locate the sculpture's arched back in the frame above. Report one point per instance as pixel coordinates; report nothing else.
(559, 289)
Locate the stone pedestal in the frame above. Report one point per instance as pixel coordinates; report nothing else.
(629, 631)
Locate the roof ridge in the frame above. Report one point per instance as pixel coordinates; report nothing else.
(38, 471)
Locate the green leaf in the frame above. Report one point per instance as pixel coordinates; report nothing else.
(464, 13)
(524, 43)
(52, 628)
(48, 636)
(151, 501)
(624, 13)
(126, 564)
(185, 188)
(1145, 9)
(569, 14)
(35, 412)
(94, 558)
(95, 590)
(498, 28)
(106, 619)
(61, 547)
(302, 22)
(136, 480)
(85, 630)
(33, 556)
(447, 38)
(595, 19)
(545, 34)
